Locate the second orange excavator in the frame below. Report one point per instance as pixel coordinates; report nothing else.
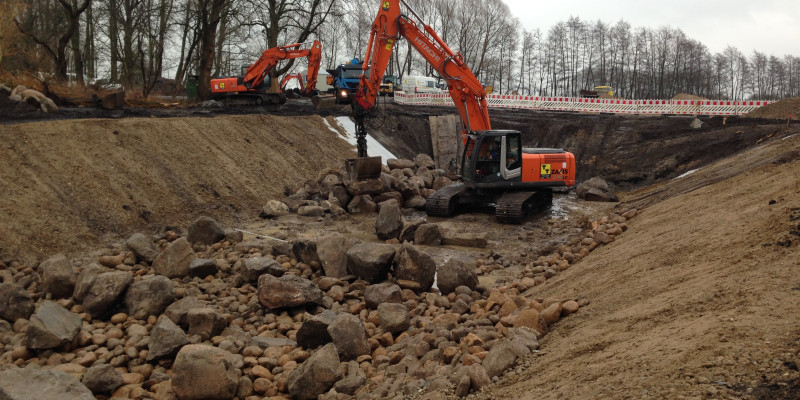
(495, 168)
(252, 86)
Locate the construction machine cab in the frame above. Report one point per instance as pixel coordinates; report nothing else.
(491, 156)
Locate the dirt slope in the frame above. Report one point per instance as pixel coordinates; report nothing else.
(67, 184)
(698, 299)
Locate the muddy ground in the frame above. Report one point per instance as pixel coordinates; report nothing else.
(697, 299)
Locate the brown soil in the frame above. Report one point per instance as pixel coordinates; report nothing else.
(69, 184)
(783, 109)
(697, 299)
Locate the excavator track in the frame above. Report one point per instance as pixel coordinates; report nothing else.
(513, 207)
(443, 202)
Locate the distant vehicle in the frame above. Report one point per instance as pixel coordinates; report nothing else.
(603, 92)
(345, 79)
(420, 84)
(388, 86)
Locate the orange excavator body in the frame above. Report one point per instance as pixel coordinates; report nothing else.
(495, 168)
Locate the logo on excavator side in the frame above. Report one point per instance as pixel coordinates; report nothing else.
(222, 85)
(427, 49)
(385, 6)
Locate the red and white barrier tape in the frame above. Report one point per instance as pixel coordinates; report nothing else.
(577, 104)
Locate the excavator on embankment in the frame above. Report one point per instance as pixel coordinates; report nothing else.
(253, 87)
(495, 168)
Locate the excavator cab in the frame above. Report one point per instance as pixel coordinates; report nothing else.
(492, 157)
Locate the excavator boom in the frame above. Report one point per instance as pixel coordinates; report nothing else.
(390, 24)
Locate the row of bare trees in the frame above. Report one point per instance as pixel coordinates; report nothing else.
(648, 63)
(136, 43)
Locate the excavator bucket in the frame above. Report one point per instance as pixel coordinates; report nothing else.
(363, 168)
(324, 100)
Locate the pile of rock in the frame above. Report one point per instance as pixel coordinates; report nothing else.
(403, 182)
(208, 315)
(21, 94)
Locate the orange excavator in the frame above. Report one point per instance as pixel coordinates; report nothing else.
(251, 85)
(289, 77)
(495, 168)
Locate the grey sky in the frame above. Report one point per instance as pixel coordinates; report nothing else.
(769, 26)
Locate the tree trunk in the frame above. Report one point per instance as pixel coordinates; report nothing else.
(210, 13)
(113, 34)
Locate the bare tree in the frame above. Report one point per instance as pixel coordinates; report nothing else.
(72, 11)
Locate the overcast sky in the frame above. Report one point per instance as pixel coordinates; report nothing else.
(769, 26)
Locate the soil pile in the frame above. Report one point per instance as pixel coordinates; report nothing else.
(692, 300)
(67, 184)
(783, 109)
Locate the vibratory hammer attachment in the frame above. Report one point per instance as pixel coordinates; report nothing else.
(363, 167)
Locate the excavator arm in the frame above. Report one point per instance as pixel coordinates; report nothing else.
(390, 24)
(255, 74)
(314, 61)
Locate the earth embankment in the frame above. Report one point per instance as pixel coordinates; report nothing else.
(71, 184)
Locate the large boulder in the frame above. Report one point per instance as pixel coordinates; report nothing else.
(143, 247)
(166, 339)
(314, 332)
(315, 375)
(252, 268)
(385, 292)
(274, 209)
(102, 379)
(206, 322)
(349, 336)
(503, 356)
(370, 261)
(85, 281)
(41, 384)
(58, 278)
(394, 317)
(203, 267)
(410, 230)
(206, 231)
(106, 292)
(287, 291)
(15, 302)
(113, 101)
(365, 187)
(428, 235)
(332, 253)
(595, 189)
(51, 327)
(305, 250)
(414, 265)
(203, 372)
(361, 204)
(454, 273)
(150, 296)
(402, 163)
(389, 223)
(178, 311)
(423, 160)
(174, 261)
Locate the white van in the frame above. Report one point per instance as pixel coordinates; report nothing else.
(419, 84)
